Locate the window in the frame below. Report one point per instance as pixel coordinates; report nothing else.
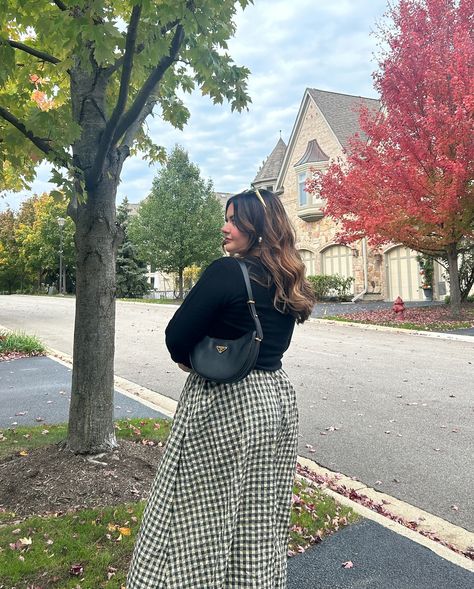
(308, 260)
(302, 194)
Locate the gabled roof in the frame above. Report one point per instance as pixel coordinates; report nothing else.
(340, 113)
(272, 165)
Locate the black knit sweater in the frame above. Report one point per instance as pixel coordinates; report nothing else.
(217, 307)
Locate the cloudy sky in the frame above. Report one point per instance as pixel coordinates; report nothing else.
(288, 46)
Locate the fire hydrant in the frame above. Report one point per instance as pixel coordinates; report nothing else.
(399, 307)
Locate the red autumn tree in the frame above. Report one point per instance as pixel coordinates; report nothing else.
(410, 179)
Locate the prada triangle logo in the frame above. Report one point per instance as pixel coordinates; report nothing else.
(221, 349)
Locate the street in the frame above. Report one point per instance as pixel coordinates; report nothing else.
(394, 410)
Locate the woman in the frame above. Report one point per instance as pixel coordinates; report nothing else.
(219, 508)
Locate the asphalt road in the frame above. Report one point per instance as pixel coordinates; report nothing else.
(393, 410)
(381, 559)
(37, 391)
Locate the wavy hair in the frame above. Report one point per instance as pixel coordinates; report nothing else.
(260, 215)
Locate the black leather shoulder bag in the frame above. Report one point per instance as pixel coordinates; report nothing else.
(224, 360)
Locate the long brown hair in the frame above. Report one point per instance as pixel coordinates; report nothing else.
(262, 217)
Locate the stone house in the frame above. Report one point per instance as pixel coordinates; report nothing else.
(323, 126)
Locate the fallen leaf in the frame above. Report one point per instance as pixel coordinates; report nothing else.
(454, 507)
(348, 564)
(76, 570)
(39, 418)
(21, 413)
(23, 453)
(125, 531)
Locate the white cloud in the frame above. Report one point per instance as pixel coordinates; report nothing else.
(288, 46)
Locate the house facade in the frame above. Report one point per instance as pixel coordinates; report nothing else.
(324, 124)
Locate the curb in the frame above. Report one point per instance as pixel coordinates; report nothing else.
(455, 535)
(370, 327)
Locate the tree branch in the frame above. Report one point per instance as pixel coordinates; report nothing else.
(41, 144)
(60, 5)
(156, 75)
(40, 54)
(135, 126)
(118, 63)
(106, 139)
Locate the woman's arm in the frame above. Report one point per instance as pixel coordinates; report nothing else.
(208, 297)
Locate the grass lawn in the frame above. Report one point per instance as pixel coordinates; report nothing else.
(436, 318)
(91, 548)
(14, 343)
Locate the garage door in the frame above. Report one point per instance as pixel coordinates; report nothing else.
(337, 259)
(308, 261)
(403, 274)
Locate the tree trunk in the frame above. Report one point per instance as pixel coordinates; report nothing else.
(181, 283)
(91, 428)
(455, 291)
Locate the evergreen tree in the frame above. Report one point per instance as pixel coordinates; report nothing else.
(130, 277)
(178, 225)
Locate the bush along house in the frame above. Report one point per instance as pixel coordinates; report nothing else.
(324, 124)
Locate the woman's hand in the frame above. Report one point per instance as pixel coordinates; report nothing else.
(184, 367)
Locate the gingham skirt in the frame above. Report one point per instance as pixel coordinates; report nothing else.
(218, 512)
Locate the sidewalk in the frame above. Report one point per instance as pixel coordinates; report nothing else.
(382, 559)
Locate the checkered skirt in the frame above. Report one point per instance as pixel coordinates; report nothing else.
(218, 512)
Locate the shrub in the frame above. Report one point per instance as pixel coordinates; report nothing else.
(330, 286)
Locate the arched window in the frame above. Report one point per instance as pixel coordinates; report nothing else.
(308, 260)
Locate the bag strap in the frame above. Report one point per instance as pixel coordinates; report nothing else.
(250, 301)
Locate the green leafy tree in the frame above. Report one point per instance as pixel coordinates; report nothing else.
(178, 224)
(131, 279)
(11, 269)
(78, 78)
(39, 237)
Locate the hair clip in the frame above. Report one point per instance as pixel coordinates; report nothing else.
(260, 197)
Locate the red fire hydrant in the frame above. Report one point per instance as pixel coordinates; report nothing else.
(399, 307)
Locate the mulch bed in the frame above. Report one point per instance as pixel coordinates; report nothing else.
(53, 480)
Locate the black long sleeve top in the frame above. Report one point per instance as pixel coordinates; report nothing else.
(217, 307)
